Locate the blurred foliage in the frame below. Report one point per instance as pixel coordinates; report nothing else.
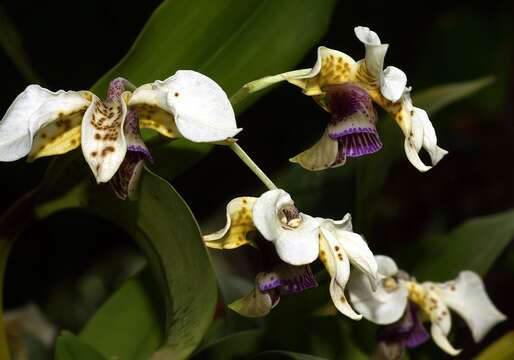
(501, 349)
(474, 245)
(69, 347)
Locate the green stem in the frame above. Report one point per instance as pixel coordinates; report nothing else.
(252, 165)
(263, 83)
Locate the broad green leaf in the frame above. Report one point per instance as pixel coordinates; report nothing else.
(473, 245)
(373, 170)
(278, 355)
(69, 347)
(232, 41)
(238, 345)
(501, 349)
(165, 229)
(11, 42)
(437, 97)
(136, 303)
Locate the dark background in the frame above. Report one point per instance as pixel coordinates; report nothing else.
(71, 44)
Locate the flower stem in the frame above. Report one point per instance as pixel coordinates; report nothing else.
(263, 83)
(252, 165)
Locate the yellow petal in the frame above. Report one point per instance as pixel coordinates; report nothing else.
(332, 67)
(58, 137)
(239, 224)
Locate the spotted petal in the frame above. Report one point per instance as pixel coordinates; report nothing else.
(354, 246)
(200, 108)
(103, 139)
(468, 297)
(332, 67)
(239, 224)
(338, 266)
(422, 135)
(295, 245)
(33, 109)
(431, 304)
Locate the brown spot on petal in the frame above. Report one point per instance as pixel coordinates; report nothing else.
(177, 94)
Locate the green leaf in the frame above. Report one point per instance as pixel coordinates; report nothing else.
(239, 345)
(373, 170)
(473, 245)
(134, 303)
(69, 347)
(501, 349)
(233, 42)
(286, 355)
(165, 229)
(437, 97)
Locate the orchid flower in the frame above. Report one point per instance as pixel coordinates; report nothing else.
(299, 239)
(347, 89)
(276, 279)
(42, 123)
(466, 295)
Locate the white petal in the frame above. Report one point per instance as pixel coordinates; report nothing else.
(239, 224)
(366, 36)
(386, 265)
(320, 156)
(429, 137)
(375, 51)
(201, 108)
(103, 140)
(379, 306)
(442, 341)
(422, 134)
(265, 212)
(355, 247)
(295, 246)
(392, 83)
(338, 266)
(299, 246)
(31, 110)
(468, 297)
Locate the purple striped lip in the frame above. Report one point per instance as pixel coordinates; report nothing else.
(290, 279)
(359, 144)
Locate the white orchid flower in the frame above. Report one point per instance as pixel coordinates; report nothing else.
(466, 295)
(300, 239)
(347, 89)
(43, 123)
